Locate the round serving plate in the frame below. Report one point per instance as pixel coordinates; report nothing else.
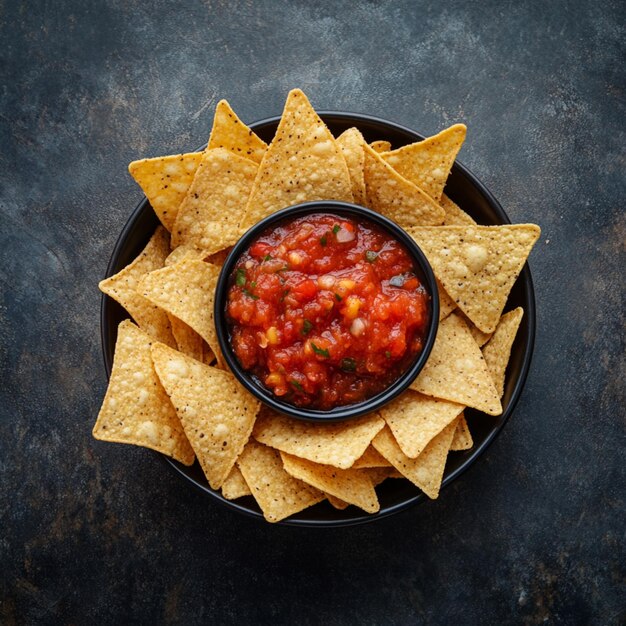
(394, 495)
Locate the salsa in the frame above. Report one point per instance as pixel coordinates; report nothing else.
(326, 311)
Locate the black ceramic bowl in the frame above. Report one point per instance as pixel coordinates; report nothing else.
(423, 272)
(394, 495)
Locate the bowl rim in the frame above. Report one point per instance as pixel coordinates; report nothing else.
(358, 518)
(340, 208)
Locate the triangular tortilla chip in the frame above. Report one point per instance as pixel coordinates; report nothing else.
(351, 486)
(351, 143)
(462, 439)
(187, 339)
(235, 485)
(209, 215)
(337, 503)
(122, 288)
(478, 265)
(480, 337)
(277, 493)
(183, 252)
(395, 197)
(165, 181)
(455, 215)
(380, 145)
(426, 471)
(415, 419)
(215, 411)
(456, 370)
(186, 290)
(338, 444)
(136, 409)
(498, 350)
(303, 163)
(427, 163)
(231, 133)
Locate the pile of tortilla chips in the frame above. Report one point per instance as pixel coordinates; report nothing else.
(169, 389)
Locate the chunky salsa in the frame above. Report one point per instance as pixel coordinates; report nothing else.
(326, 311)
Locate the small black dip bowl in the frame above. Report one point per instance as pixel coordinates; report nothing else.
(423, 272)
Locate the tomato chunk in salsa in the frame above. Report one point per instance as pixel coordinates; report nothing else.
(326, 311)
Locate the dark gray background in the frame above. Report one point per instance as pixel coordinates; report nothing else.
(99, 533)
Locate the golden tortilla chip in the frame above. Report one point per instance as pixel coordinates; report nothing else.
(235, 485)
(351, 486)
(426, 471)
(165, 181)
(336, 502)
(456, 370)
(209, 215)
(455, 215)
(478, 265)
(186, 290)
(183, 252)
(498, 351)
(303, 163)
(219, 258)
(427, 163)
(395, 197)
(480, 337)
(338, 444)
(446, 303)
(136, 409)
(415, 420)
(215, 411)
(187, 339)
(379, 474)
(277, 493)
(230, 133)
(462, 439)
(381, 145)
(370, 458)
(122, 287)
(351, 143)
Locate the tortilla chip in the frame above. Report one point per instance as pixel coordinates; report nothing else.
(230, 133)
(219, 258)
(165, 181)
(381, 145)
(478, 265)
(277, 493)
(427, 163)
(426, 471)
(351, 486)
(235, 485)
(370, 458)
(456, 370)
(215, 411)
(446, 303)
(303, 163)
(455, 215)
(351, 143)
(187, 339)
(136, 409)
(338, 444)
(183, 252)
(395, 197)
(186, 290)
(379, 474)
(122, 288)
(415, 420)
(498, 351)
(336, 502)
(209, 215)
(462, 439)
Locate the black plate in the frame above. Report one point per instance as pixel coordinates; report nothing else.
(394, 495)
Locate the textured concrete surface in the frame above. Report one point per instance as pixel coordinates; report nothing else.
(96, 533)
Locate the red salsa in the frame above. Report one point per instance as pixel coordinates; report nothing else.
(326, 311)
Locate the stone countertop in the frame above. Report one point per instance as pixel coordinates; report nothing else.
(99, 533)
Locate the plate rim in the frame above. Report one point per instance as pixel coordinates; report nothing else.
(479, 450)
